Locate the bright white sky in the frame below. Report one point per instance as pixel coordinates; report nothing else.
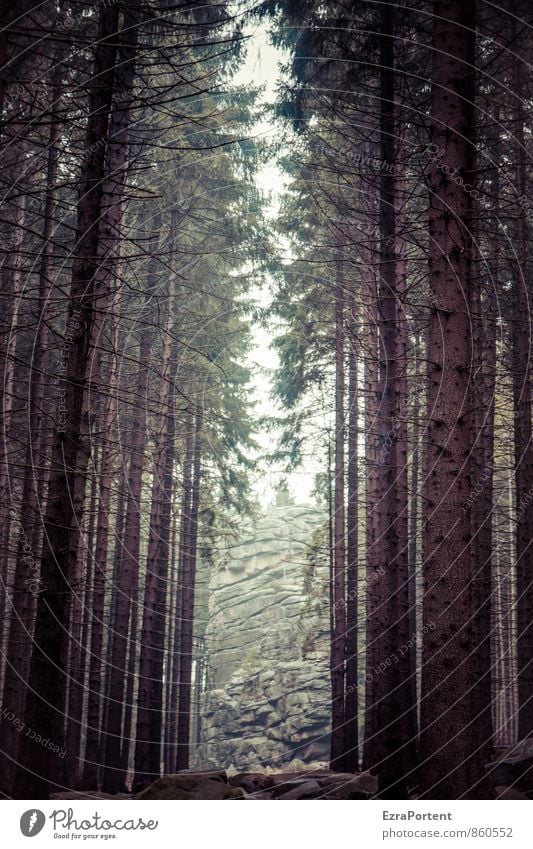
(261, 68)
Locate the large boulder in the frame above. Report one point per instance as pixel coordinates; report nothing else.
(77, 795)
(252, 782)
(311, 786)
(268, 703)
(190, 787)
(213, 774)
(363, 781)
(282, 786)
(286, 782)
(343, 790)
(304, 790)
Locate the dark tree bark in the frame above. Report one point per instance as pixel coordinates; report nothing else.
(392, 673)
(482, 466)
(405, 666)
(452, 765)
(338, 634)
(374, 560)
(100, 571)
(113, 603)
(45, 706)
(79, 613)
(27, 567)
(414, 543)
(184, 546)
(12, 298)
(151, 665)
(171, 705)
(110, 225)
(21, 23)
(187, 608)
(150, 695)
(351, 702)
(124, 624)
(521, 343)
(76, 732)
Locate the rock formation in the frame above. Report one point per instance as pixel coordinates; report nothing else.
(267, 698)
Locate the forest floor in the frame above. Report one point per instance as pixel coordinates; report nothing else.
(216, 784)
(285, 786)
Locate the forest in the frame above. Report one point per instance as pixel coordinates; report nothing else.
(266, 346)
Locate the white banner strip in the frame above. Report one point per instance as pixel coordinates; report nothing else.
(308, 825)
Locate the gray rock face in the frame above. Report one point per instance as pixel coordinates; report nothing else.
(267, 702)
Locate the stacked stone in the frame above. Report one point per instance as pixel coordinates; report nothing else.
(267, 702)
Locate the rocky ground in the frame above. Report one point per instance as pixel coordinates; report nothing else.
(216, 784)
(267, 699)
(510, 777)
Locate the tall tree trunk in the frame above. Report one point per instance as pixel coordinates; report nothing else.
(351, 702)
(393, 669)
(27, 567)
(79, 613)
(12, 298)
(452, 765)
(184, 545)
(373, 543)
(113, 205)
(150, 695)
(125, 623)
(187, 608)
(77, 733)
(338, 635)
(482, 467)
(113, 604)
(523, 431)
(100, 571)
(405, 667)
(45, 707)
(414, 546)
(170, 704)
